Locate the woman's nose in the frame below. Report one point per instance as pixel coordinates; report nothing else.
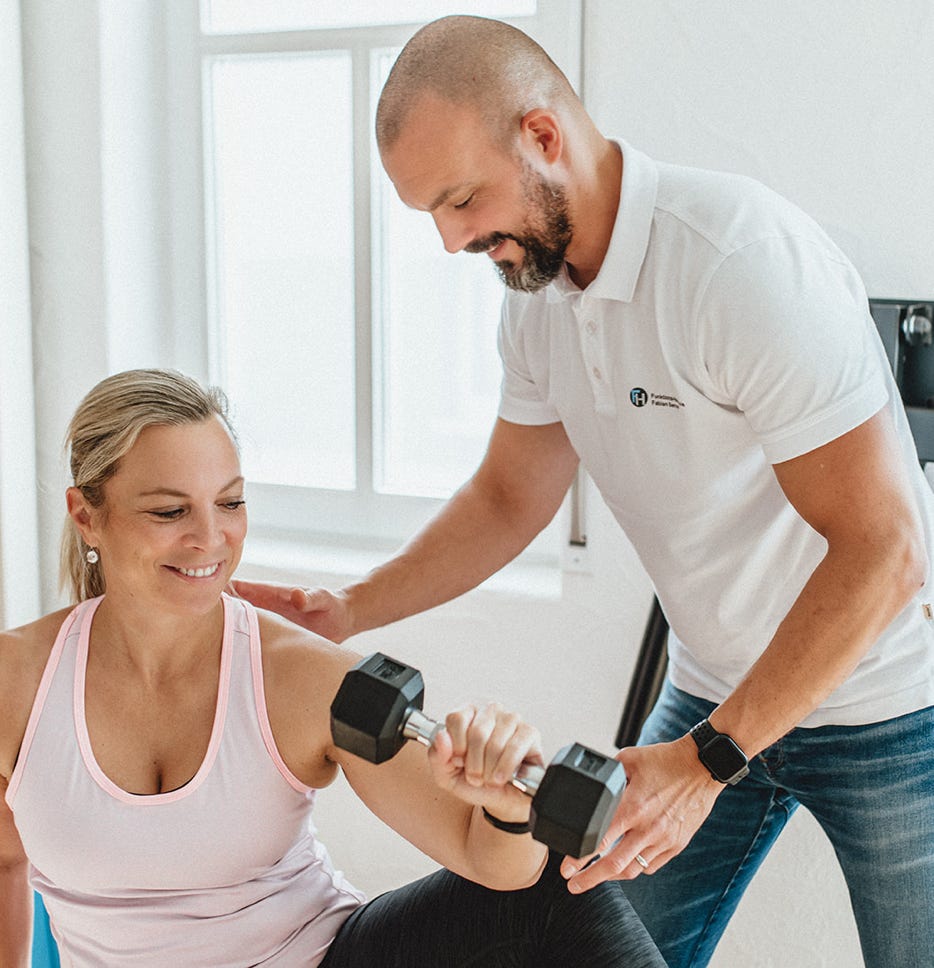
(205, 530)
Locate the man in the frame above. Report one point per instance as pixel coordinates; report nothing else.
(708, 353)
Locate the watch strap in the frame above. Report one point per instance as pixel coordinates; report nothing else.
(703, 733)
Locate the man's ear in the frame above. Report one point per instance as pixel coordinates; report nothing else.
(540, 131)
(82, 514)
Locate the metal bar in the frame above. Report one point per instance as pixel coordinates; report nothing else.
(578, 535)
(647, 677)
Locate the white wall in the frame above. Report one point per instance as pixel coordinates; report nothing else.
(828, 103)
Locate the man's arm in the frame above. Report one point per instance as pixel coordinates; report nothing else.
(855, 492)
(514, 493)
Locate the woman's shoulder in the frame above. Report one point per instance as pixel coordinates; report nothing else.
(24, 653)
(302, 673)
(287, 645)
(29, 645)
(302, 670)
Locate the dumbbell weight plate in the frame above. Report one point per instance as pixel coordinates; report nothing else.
(369, 710)
(576, 800)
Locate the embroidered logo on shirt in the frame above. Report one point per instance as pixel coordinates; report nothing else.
(639, 397)
(666, 400)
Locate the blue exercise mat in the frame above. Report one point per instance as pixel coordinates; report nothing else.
(44, 949)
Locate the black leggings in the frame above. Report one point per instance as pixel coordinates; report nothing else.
(444, 921)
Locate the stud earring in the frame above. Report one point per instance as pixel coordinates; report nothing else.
(92, 556)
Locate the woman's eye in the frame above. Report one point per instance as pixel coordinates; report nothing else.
(233, 505)
(167, 515)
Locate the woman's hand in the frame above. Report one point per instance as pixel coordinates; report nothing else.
(477, 754)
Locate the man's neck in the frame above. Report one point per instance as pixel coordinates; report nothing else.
(599, 199)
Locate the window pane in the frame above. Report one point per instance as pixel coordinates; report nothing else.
(282, 168)
(246, 16)
(435, 330)
(436, 368)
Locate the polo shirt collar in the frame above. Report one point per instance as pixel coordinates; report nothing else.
(629, 242)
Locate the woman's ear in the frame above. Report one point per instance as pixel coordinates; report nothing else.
(83, 515)
(540, 131)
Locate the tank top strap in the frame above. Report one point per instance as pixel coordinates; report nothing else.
(241, 618)
(66, 640)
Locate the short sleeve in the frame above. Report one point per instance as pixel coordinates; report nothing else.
(523, 398)
(785, 336)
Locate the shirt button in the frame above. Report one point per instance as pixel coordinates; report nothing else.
(591, 327)
(597, 373)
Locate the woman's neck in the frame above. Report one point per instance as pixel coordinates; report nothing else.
(151, 643)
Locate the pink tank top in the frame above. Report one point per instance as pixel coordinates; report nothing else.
(224, 871)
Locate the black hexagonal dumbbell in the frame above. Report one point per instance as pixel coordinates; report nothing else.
(379, 707)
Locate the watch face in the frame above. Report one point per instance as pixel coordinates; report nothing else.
(723, 758)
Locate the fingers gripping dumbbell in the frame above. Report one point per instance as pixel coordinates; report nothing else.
(379, 707)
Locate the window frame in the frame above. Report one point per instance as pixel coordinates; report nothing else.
(362, 517)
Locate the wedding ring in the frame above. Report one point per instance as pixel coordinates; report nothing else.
(642, 862)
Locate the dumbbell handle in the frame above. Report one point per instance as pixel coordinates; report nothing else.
(424, 729)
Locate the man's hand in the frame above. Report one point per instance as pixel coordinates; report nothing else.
(668, 795)
(319, 610)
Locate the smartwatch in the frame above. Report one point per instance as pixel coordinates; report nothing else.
(719, 753)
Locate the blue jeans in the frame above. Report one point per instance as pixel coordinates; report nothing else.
(444, 921)
(871, 788)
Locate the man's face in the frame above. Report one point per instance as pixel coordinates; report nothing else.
(483, 198)
(544, 238)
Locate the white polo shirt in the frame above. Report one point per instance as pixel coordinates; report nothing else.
(725, 332)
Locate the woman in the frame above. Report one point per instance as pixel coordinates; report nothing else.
(161, 745)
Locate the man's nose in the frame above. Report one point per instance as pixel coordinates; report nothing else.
(454, 233)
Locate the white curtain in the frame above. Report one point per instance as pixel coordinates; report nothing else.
(83, 83)
(19, 573)
(61, 70)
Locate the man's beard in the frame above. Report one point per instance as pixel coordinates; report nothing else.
(545, 238)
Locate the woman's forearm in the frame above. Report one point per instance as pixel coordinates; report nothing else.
(503, 861)
(15, 917)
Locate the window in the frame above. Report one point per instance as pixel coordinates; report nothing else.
(360, 357)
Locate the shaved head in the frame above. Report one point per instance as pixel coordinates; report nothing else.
(484, 63)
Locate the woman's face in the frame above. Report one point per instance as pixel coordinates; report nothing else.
(173, 522)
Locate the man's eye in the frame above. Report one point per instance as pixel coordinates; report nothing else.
(465, 202)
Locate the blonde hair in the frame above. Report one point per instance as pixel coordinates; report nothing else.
(105, 427)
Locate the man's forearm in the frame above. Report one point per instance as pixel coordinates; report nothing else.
(466, 542)
(515, 492)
